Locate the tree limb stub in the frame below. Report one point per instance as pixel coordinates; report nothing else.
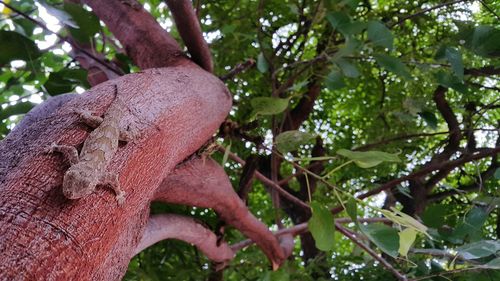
(170, 226)
(92, 238)
(132, 24)
(203, 183)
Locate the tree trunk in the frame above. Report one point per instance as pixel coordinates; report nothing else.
(45, 236)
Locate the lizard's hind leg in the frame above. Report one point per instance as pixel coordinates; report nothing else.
(88, 118)
(69, 152)
(111, 180)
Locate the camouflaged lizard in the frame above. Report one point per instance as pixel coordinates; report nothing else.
(88, 169)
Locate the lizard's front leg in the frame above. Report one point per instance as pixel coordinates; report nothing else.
(69, 152)
(111, 180)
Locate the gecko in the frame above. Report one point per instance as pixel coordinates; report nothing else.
(88, 169)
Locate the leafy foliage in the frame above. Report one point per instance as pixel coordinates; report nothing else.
(375, 66)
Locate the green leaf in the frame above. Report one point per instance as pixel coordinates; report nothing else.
(471, 227)
(65, 81)
(493, 264)
(334, 80)
(368, 159)
(16, 109)
(262, 64)
(347, 68)
(291, 140)
(434, 215)
(487, 200)
(351, 207)
(338, 20)
(351, 3)
(88, 23)
(479, 249)
(497, 174)
(268, 105)
(278, 275)
(429, 118)
(385, 237)
(322, 226)
(226, 154)
(351, 46)
(406, 239)
(413, 106)
(354, 27)
(482, 40)
(454, 56)
(61, 15)
(26, 25)
(403, 219)
(450, 81)
(380, 35)
(393, 64)
(15, 46)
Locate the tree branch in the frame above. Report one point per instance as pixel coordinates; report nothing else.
(426, 11)
(190, 30)
(238, 69)
(203, 183)
(131, 23)
(170, 226)
(268, 182)
(483, 71)
(424, 171)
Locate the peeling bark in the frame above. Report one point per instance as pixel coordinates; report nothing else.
(203, 183)
(45, 236)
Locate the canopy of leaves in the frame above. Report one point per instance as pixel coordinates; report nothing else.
(371, 69)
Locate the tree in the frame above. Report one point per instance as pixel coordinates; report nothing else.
(365, 134)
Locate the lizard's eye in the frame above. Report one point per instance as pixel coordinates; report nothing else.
(77, 185)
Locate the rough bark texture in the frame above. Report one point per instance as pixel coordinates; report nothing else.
(45, 236)
(170, 226)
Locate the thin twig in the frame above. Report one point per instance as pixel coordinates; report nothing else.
(267, 181)
(241, 67)
(448, 273)
(440, 254)
(489, 9)
(425, 11)
(371, 252)
(302, 228)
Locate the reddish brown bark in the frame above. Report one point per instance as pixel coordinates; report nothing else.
(203, 183)
(145, 41)
(45, 236)
(170, 226)
(190, 31)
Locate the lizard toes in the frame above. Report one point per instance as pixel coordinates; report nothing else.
(51, 148)
(120, 198)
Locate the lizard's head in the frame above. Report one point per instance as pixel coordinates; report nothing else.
(79, 182)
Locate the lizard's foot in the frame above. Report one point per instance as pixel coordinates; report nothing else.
(51, 148)
(120, 198)
(69, 152)
(111, 180)
(88, 118)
